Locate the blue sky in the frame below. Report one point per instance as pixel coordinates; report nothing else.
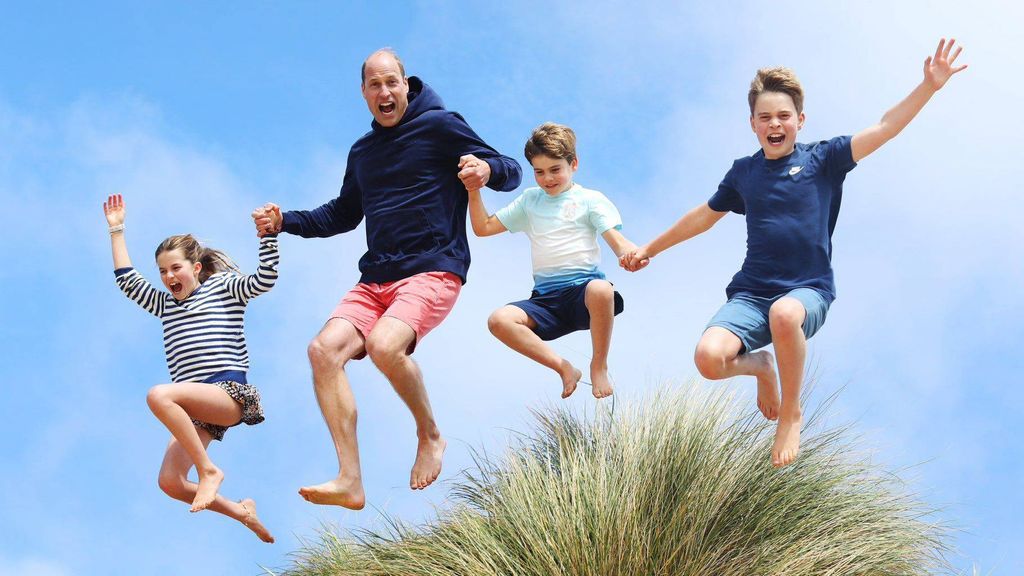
(199, 112)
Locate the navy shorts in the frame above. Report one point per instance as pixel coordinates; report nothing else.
(746, 316)
(560, 312)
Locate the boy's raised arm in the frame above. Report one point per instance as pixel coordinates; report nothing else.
(483, 225)
(694, 222)
(938, 69)
(619, 244)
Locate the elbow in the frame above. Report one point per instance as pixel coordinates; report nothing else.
(480, 230)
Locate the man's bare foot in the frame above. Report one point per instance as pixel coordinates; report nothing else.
(338, 492)
(599, 380)
(767, 385)
(427, 467)
(252, 521)
(570, 378)
(787, 441)
(209, 483)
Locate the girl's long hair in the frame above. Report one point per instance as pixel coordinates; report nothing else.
(213, 261)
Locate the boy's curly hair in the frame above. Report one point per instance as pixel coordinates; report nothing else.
(552, 140)
(777, 79)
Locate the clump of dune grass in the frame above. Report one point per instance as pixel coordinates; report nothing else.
(678, 483)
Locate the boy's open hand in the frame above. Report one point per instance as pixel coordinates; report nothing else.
(939, 67)
(113, 209)
(473, 172)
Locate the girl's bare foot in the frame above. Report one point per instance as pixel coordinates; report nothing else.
(570, 378)
(767, 385)
(787, 441)
(599, 380)
(344, 492)
(252, 521)
(427, 467)
(209, 483)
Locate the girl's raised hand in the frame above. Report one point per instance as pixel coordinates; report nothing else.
(113, 209)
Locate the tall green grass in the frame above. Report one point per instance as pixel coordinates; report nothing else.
(678, 483)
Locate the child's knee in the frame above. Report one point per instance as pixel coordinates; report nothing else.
(786, 313)
(173, 485)
(599, 291)
(710, 361)
(500, 320)
(158, 395)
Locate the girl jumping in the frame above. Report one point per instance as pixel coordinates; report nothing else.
(206, 355)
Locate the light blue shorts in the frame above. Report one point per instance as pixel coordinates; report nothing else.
(746, 316)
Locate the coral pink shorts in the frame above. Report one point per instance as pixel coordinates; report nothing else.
(421, 301)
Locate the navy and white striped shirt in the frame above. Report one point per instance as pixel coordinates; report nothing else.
(203, 334)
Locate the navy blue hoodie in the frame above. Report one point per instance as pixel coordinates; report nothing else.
(404, 180)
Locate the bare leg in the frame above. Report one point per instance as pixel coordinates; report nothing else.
(514, 328)
(336, 344)
(387, 346)
(174, 482)
(175, 405)
(600, 302)
(786, 319)
(718, 357)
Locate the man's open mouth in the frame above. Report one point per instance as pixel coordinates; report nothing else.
(387, 108)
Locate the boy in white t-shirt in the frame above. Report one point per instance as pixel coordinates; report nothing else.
(570, 293)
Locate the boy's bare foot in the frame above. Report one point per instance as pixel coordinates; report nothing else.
(570, 378)
(787, 441)
(209, 483)
(427, 467)
(338, 492)
(767, 385)
(252, 521)
(599, 380)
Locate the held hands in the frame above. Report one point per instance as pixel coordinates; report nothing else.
(113, 209)
(939, 68)
(473, 172)
(635, 259)
(268, 219)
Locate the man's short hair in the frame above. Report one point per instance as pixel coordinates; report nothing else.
(777, 79)
(385, 50)
(552, 140)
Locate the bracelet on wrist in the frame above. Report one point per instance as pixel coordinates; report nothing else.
(118, 228)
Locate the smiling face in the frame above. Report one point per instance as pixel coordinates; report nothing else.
(179, 275)
(776, 123)
(385, 89)
(553, 175)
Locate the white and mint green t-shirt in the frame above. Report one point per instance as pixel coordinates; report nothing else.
(563, 233)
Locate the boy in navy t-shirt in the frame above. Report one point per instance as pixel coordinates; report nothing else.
(790, 194)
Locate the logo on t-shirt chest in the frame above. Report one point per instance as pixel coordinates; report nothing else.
(570, 210)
